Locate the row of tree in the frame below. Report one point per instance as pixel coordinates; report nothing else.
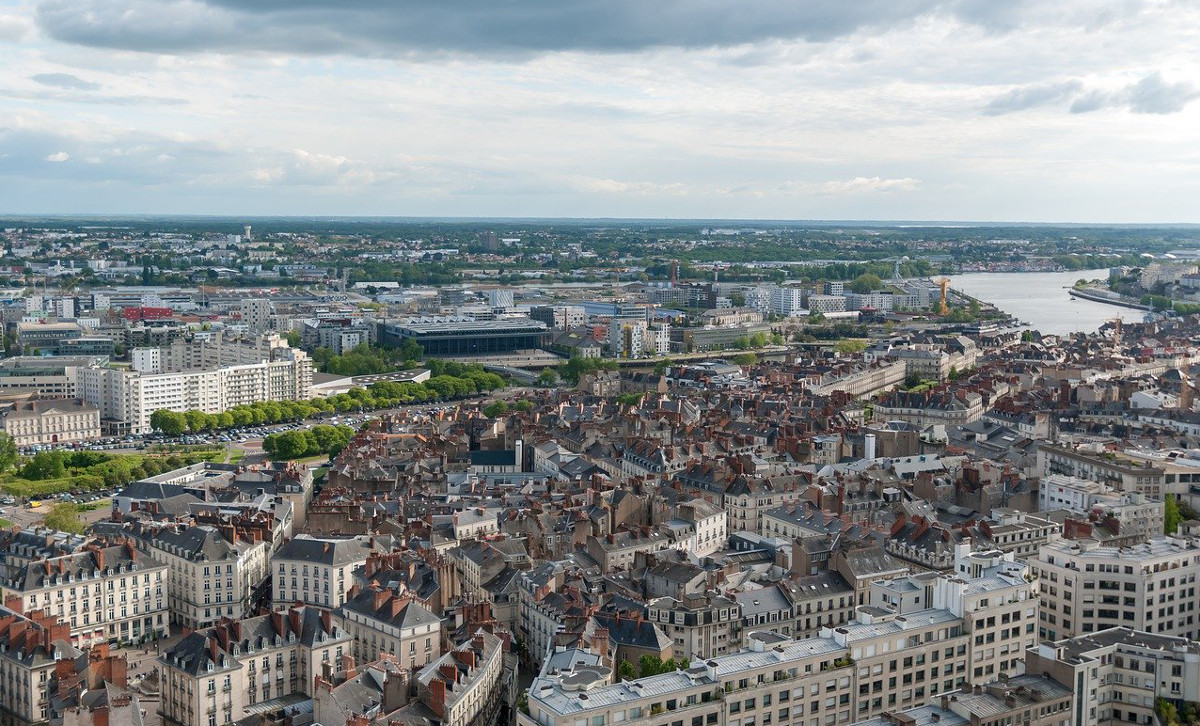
(384, 394)
(320, 440)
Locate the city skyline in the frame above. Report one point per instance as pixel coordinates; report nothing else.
(901, 111)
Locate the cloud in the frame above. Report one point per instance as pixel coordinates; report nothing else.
(59, 156)
(871, 185)
(477, 27)
(1027, 97)
(14, 28)
(65, 80)
(1152, 94)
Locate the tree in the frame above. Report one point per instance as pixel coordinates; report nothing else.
(661, 367)
(45, 465)
(8, 452)
(411, 350)
(745, 359)
(64, 517)
(850, 347)
(865, 283)
(495, 408)
(629, 399)
(548, 377)
(626, 671)
(1171, 516)
(523, 405)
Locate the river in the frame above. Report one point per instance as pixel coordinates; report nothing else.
(1041, 299)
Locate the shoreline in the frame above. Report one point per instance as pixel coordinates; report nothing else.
(1084, 294)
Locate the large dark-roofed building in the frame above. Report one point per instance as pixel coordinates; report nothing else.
(466, 336)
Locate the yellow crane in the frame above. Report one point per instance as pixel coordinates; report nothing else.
(944, 285)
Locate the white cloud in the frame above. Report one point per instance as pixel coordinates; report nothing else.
(59, 156)
(870, 185)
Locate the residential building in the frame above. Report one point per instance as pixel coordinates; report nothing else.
(381, 621)
(700, 626)
(317, 570)
(1119, 673)
(106, 593)
(30, 647)
(1086, 587)
(1101, 466)
(463, 686)
(217, 675)
(208, 577)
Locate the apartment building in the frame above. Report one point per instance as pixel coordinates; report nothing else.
(317, 570)
(463, 686)
(924, 636)
(1117, 674)
(381, 621)
(1106, 467)
(50, 421)
(215, 676)
(700, 626)
(208, 577)
(128, 398)
(30, 645)
(104, 594)
(1086, 587)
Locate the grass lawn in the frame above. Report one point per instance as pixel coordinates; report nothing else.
(235, 455)
(5, 523)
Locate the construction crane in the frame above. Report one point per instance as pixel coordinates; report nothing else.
(944, 284)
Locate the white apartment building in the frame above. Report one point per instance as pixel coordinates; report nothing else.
(104, 594)
(208, 578)
(707, 527)
(129, 397)
(316, 570)
(628, 338)
(1117, 674)
(891, 658)
(787, 301)
(1086, 588)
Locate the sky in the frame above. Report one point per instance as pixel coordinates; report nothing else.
(982, 110)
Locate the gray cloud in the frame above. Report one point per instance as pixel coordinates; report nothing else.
(418, 27)
(65, 80)
(1020, 99)
(1151, 95)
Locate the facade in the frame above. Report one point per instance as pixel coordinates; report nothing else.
(893, 657)
(559, 317)
(463, 686)
(103, 594)
(381, 621)
(1104, 467)
(127, 398)
(699, 626)
(213, 676)
(29, 647)
(317, 570)
(208, 578)
(787, 301)
(466, 336)
(1086, 587)
(52, 421)
(1118, 673)
(256, 313)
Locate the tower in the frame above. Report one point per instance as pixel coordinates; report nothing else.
(246, 236)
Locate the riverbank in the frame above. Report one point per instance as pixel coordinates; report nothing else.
(1100, 297)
